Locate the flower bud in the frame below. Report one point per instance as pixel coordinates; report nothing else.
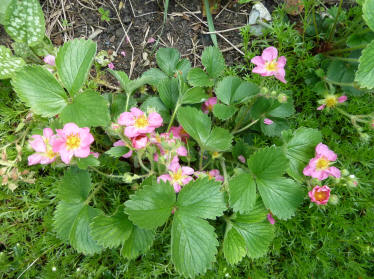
(334, 199)
(273, 93)
(364, 137)
(282, 98)
(264, 90)
(3, 171)
(345, 172)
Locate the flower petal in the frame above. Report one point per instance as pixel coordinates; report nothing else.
(269, 54)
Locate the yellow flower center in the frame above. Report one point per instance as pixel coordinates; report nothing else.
(320, 196)
(73, 141)
(271, 66)
(322, 164)
(50, 154)
(210, 176)
(177, 176)
(141, 122)
(331, 101)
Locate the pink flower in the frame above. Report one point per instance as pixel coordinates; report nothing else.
(321, 107)
(137, 123)
(50, 60)
(72, 141)
(139, 142)
(342, 99)
(151, 40)
(42, 145)
(182, 151)
(111, 66)
(331, 101)
(209, 104)
(216, 175)
(320, 195)
(268, 65)
(121, 143)
(271, 219)
(268, 121)
(180, 133)
(319, 166)
(123, 53)
(241, 158)
(178, 176)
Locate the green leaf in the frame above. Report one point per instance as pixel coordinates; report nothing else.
(24, 21)
(355, 40)
(88, 109)
(117, 151)
(201, 198)
(9, 64)
(90, 161)
(3, 7)
(219, 140)
(197, 77)
(193, 244)
(122, 77)
(64, 218)
(281, 110)
(74, 61)
(111, 231)
(299, 149)
(281, 195)
(242, 189)
(194, 95)
(234, 246)
(168, 90)
(151, 206)
(257, 214)
(38, 88)
(365, 72)
(167, 59)
(213, 61)
(223, 112)
(368, 13)
(75, 186)
(139, 242)
(184, 66)
(155, 104)
(275, 129)
(268, 163)
(154, 76)
(232, 90)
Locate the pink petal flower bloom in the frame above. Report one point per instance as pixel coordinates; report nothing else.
(111, 66)
(180, 133)
(178, 175)
(42, 145)
(241, 158)
(319, 166)
(268, 121)
(321, 107)
(151, 40)
(123, 53)
(182, 151)
(121, 143)
(138, 123)
(331, 101)
(209, 104)
(216, 175)
(342, 99)
(320, 195)
(268, 65)
(139, 142)
(72, 141)
(50, 60)
(271, 219)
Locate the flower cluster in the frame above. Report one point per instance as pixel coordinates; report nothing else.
(66, 143)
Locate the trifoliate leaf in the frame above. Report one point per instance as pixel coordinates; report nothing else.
(232, 90)
(117, 151)
(194, 95)
(193, 244)
(38, 88)
(167, 59)
(74, 61)
(155, 104)
(75, 186)
(151, 206)
(90, 161)
(299, 149)
(168, 90)
(111, 231)
(138, 242)
(365, 72)
(64, 218)
(24, 21)
(234, 247)
(154, 76)
(281, 110)
(9, 64)
(219, 140)
(184, 66)
(368, 13)
(88, 109)
(213, 61)
(201, 198)
(122, 77)
(242, 189)
(223, 112)
(197, 77)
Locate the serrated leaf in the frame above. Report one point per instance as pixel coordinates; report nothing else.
(223, 112)
(194, 95)
(24, 21)
(201, 198)
(122, 77)
(299, 148)
(234, 247)
(3, 7)
(90, 161)
(139, 241)
(75, 186)
(64, 218)
(219, 140)
(154, 76)
(275, 129)
(74, 60)
(242, 190)
(117, 151)
(213, 61)
(268, 163)
(360, 39)
(365, 72)
(167, 59)
(281, 195)
(9, 64)
(257, 214)
(232, 90)
(281, 110)
(155, 104)
(151, 206)
(368, 13)
(197, 77)
(184, 66)
(193, 244)
(168, 90)
(111, 231)
(88, 109)
(38, 88)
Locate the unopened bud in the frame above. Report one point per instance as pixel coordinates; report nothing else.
(365, 137)
(5, 180)
(3, 171)
(352, 183)
(345, 172)
(273, 93)
(282, 98)
(264, 90)
(334, 199)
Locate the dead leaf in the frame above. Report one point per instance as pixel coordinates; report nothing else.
(294, 7)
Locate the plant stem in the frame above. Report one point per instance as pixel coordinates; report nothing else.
(112, 176)
(127, 101)
(173, 116)
(345, 49)
(315, 23)
(93, 194)
(332, 31)
(141, 163)
(340, 83)
(225, 178)
(201, 158)
(246, 127)
(344, 59)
